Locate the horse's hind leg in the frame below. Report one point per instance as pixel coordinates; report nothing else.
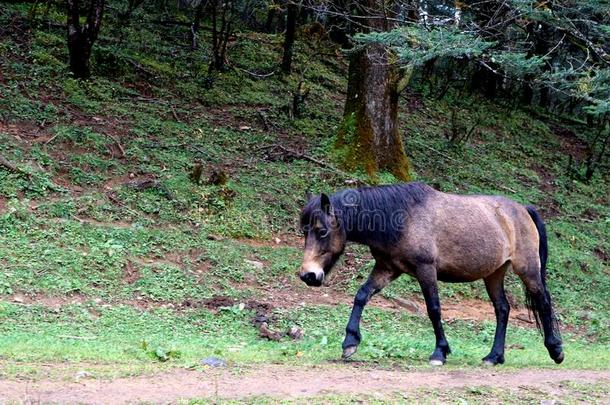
(539, 302)
(426, 276)
(379, 278)
(495, 288)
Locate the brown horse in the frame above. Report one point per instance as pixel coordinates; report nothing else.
(430, 235)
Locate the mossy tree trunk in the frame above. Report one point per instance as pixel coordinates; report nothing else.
(369, 138)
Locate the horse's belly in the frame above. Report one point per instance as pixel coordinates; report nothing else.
(462, 276)
(465, 263)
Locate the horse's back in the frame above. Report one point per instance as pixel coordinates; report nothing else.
(469, 237)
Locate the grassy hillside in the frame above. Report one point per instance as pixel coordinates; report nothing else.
(111, 254)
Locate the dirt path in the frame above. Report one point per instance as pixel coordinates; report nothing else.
(286, 382)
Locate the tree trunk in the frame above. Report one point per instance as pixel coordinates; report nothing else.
(369, 138)
(220, 35)
(196, 23)
(291, 19)
(81, 39)
(338, 23)
(527, 94)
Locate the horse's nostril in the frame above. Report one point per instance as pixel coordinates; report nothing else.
(311, 279)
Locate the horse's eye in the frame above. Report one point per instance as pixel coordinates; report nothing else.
(321, 232)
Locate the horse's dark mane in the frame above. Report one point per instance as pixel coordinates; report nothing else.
(373, 215)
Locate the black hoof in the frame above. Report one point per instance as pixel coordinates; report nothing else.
(493, 360)
(559, 358)
(439, 356)
(437, 359)
(436, 362)
(556, 353)
(349, 351)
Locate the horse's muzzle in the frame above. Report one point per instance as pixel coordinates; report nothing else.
(312, 279)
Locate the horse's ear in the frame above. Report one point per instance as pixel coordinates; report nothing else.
(325, 203)
(308, 195)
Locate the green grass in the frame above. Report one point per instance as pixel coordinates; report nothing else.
(72, 227)
(92, 332)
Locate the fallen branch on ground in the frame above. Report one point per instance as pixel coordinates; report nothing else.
(51, 139)
(4, 162)
(435, 150)
(256, 75)
(298, 155)
(77, 337)
(118, 144)
(175, 114)
(141, 68)
(524, 318)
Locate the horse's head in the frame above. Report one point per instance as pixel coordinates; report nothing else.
(324, 240)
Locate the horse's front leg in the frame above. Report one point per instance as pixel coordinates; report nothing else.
(379, 278)
(426, 276)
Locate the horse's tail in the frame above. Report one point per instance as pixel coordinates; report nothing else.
(543, 247)
(533, 303)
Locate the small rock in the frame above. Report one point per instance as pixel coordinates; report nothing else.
(244, 128)
(79, 375)
(19, 298)
(296, 333)
(213, 362)
(256, 264)
(277, 241)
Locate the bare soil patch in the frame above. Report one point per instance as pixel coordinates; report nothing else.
(599, 251)
(49, 301)
(571, 144)
(131, 273)
(3, 203)
(293, 297)
(287, 239)
(25, 132)
(452, 308)
(285, 382)
(548, 206)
